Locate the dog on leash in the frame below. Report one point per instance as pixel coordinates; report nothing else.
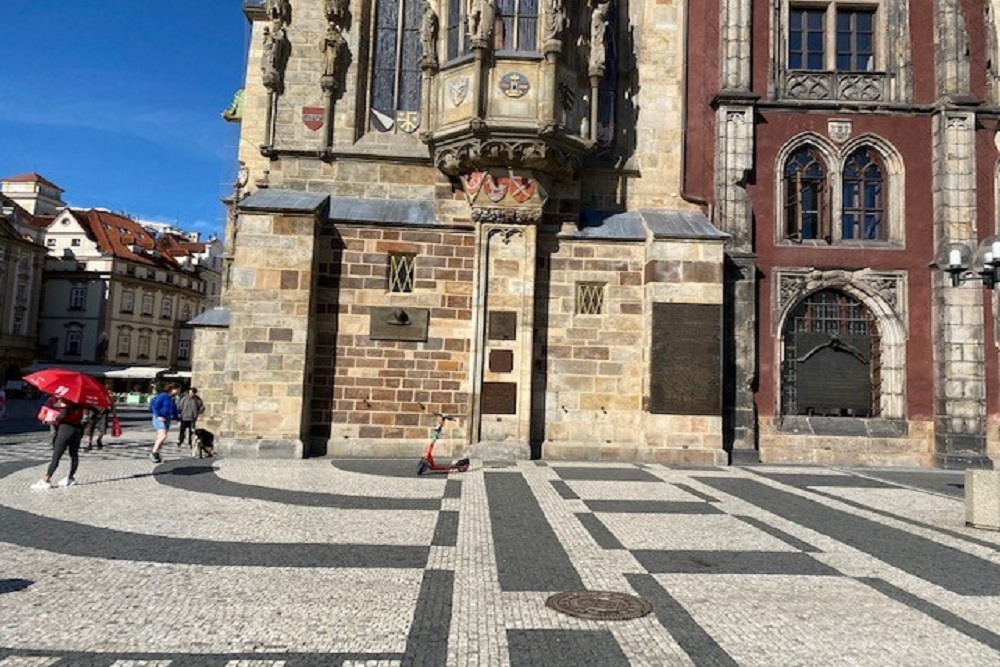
(205, 440)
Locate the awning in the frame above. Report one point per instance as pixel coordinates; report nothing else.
(136, 373)
(185, 375)
(90, 369)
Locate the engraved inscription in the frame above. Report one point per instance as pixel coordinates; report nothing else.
(686, 361)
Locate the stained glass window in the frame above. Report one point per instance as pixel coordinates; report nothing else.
(396, 77)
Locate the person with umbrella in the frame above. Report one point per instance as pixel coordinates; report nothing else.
(71, 394)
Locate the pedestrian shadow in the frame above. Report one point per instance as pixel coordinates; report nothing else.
(183, 471)
(13, 585)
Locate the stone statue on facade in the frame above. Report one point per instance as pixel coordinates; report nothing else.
(598, 37)
(275, 56)
(336, 11)
(480, 16)
(279, 11)
(429, 35)
(555, 20)
(332, 47)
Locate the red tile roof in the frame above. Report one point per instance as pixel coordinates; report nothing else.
(31, 177)
(116, 235)
(21, 216)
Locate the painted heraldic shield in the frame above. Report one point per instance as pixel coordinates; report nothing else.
(312, 117)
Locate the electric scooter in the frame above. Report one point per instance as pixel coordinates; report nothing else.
(427, 464)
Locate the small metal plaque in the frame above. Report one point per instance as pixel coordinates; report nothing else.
(499, 398)
(501, 361)
(686, 372)
(409, 324)
(503, 325)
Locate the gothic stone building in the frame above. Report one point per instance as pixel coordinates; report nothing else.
(684, 232)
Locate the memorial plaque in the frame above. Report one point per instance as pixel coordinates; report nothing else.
(502, 325)
(499, 398)
(833, 374)
(406, 324)
(501, 361)
(686, 365)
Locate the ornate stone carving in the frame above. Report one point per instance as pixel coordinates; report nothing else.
(809, 86)
(336, 11)
(429, 36)
(474, 155)
(505, 233)
(279, 12)
(839, 130)
(508, 216)
(860, 87)
(794, 284)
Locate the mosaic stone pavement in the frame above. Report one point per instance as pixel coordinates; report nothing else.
(245, 563)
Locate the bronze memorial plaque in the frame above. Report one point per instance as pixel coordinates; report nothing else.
(409, 324)
(499, 398)
(503, 325)
(686, 373)
(501, 361)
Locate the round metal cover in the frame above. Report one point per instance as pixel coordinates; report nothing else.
(599, 605)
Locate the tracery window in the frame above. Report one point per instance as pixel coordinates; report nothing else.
(396, 78)
(863, 204)
(517, 23)
(806, 216)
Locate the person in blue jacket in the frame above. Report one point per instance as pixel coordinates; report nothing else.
(164, 410)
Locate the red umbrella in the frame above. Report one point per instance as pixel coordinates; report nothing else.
(73, 386)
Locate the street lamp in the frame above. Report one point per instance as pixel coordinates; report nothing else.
(963, 263)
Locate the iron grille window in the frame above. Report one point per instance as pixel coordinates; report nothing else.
(805, 206)
(848, 382)
(401, 268)
(589, 298)
(396, 66)
(518, 25)
(863, 211)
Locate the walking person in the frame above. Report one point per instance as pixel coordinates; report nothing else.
(67, 432)
(164, 411)
(190, 406)
(98, 425)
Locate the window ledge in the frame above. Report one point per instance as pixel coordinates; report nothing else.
(873, 427)
(840, 245)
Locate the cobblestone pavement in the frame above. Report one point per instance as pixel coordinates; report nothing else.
(247, 563)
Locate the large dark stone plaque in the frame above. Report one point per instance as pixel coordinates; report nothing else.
(502, 325)
(686, 367)
(409, 324)
(499, 398)
(833, 374)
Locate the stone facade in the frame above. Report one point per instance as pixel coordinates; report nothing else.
(583, 245)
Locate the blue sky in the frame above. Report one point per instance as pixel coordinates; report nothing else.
(118, 102)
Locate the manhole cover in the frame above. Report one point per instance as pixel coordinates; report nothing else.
(599, 605)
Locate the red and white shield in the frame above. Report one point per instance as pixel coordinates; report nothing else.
(520, 188)
(312, 117)
(473, 183)
(496, 188)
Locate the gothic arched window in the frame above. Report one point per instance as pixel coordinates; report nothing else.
(863, 203)
(457, 32)
(831, 364)
(517, 23)
(806, 216)
(395, 94)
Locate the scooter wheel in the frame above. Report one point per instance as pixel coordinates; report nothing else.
(462, 465)
(422, 467)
